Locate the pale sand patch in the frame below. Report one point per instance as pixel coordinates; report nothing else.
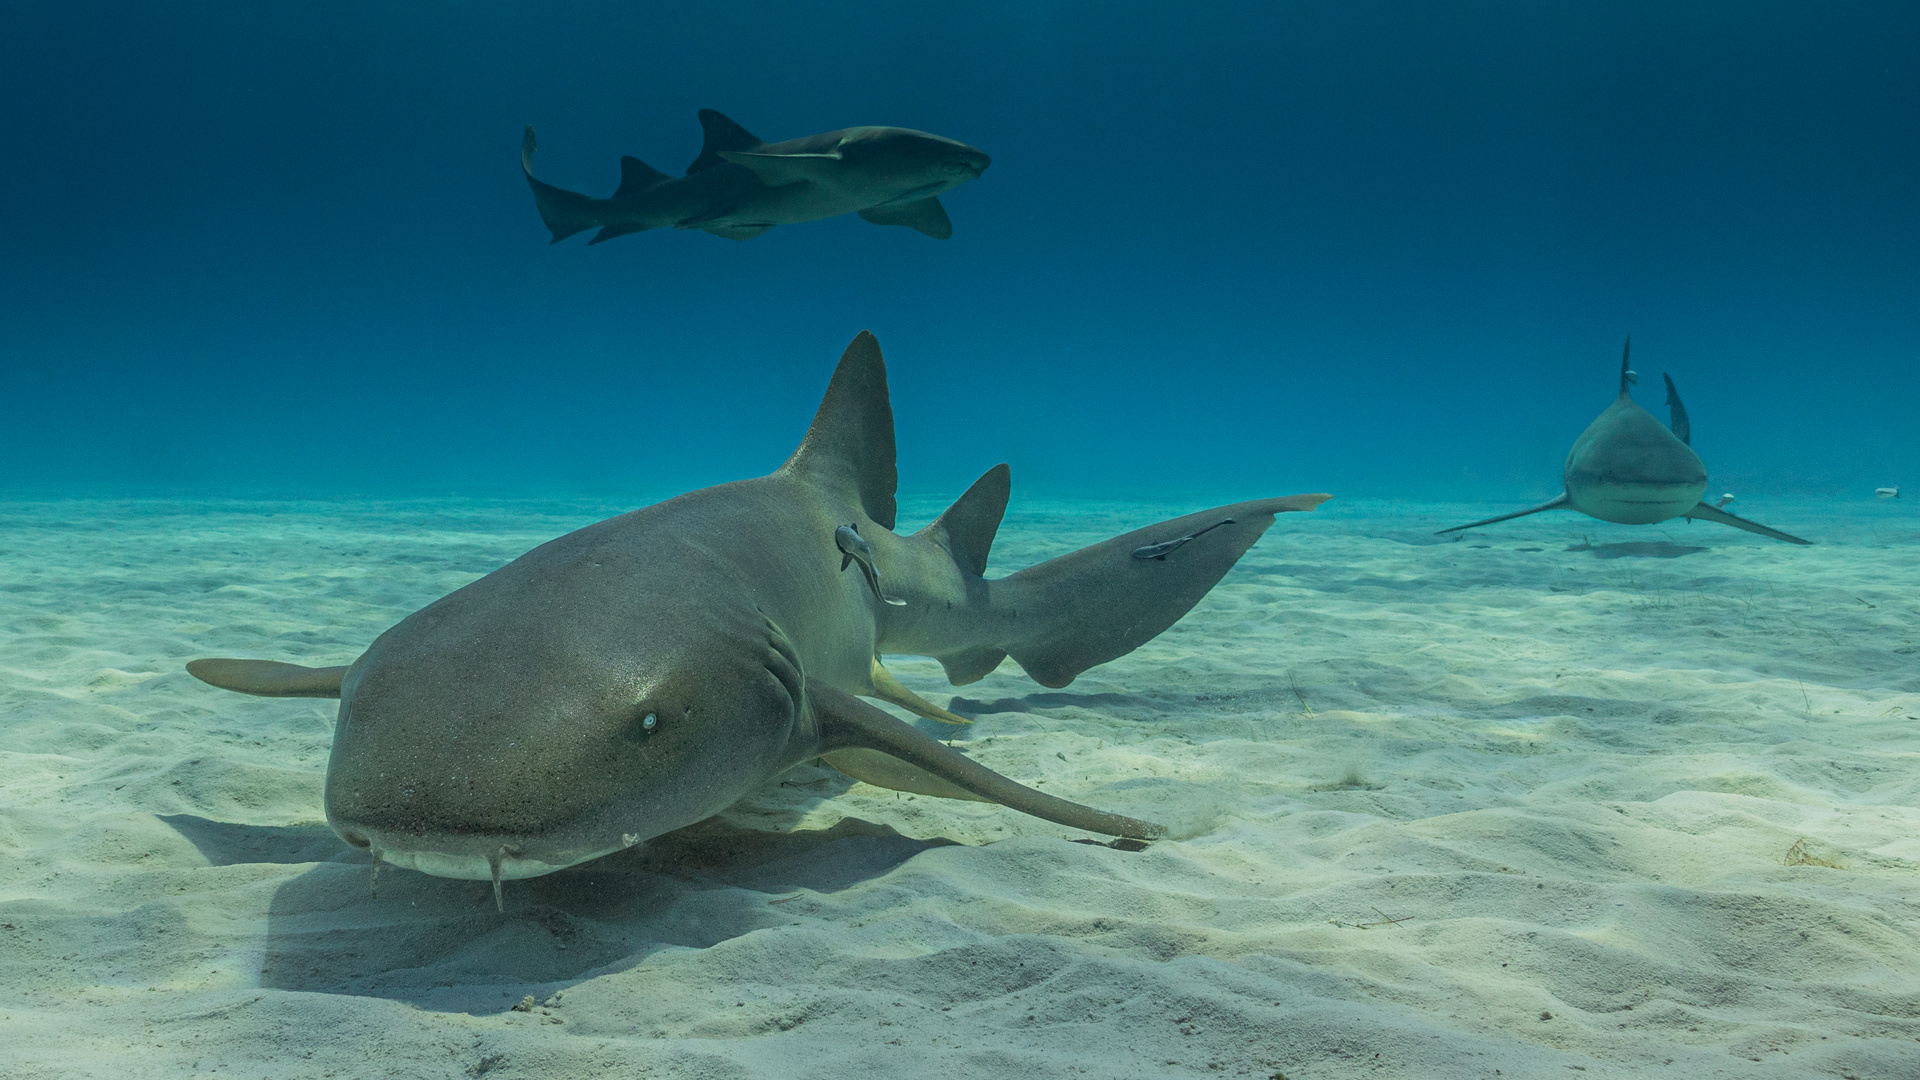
(1467, 809)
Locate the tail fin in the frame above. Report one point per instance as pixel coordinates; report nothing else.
(564, 212)
(1090, 606)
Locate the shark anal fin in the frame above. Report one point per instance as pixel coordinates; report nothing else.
(1703, 512)
(846, 722)
(967, 528)
(922, 215)
(971, 665)
(1682, 430)
(888, 688)
(737, 232)
(721, 134)
(1555, 504)
(637, 176)
(268, 678)
(612, 231)
(850, 445)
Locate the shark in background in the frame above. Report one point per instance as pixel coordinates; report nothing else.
(1630, 469)
(740, 186)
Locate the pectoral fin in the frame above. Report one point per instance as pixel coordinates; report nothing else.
(888, 688)
(1556, 504)
(876, 768)
(921, 215)
(1703, 512)
(268, 678)
(847, 723)
(779, 170)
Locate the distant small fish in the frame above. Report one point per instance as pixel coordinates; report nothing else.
(1724, 500)
(855, 548)
(1165, 548)
(1886, 493)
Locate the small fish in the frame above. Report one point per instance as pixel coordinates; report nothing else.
(1165, 548)
(1886, 493)
(855, 548)
(1724, 500)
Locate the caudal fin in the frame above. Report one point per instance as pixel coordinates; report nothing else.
(563, 212)
(1090, 606)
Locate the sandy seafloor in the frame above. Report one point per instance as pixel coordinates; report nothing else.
(1561, 798)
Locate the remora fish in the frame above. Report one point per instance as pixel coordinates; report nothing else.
(741, 186)
(1627, 468)
(643, 673)
(854, 548)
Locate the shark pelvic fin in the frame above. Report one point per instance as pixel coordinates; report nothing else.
(922, 215)
(850, 442)
(721, 134)
(967, 528)
(847, 723)
(637, 176)
(268, 678)
(888, 688)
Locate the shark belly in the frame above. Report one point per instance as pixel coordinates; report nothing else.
(1636, 503)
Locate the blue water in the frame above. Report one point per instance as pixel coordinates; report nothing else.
(1379, 249)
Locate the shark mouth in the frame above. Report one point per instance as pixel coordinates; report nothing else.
(481, 860)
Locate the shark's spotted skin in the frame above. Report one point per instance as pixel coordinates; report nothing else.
(645, 672)
(1628, 468)
(741, 186)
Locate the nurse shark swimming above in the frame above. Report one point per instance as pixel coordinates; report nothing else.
(740, 186)
(646, 672)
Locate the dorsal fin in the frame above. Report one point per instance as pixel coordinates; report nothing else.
(1681, 429)
(850, 443)
(637, 175)
(722, 134)
(1625, 375)
(966, 530)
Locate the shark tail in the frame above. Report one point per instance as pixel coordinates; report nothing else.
(563, 212)
(1090, 606)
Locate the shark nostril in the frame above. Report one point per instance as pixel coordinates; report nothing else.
(356, 839)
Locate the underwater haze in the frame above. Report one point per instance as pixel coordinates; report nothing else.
(1383, 249)
(1170, 766)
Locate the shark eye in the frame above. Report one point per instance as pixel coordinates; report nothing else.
(649, 722)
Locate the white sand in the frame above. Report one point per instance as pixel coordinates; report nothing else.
(1493, 808)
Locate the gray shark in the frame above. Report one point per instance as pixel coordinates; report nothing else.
(644, 673)
(741, 186)
(1628, 468)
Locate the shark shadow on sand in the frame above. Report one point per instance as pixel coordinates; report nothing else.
(438, 943)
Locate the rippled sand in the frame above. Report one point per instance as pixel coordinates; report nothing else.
(1558, 796)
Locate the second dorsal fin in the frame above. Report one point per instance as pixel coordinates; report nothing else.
(849, 445)
(967, 528)
(721, 134)
(637, 176)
